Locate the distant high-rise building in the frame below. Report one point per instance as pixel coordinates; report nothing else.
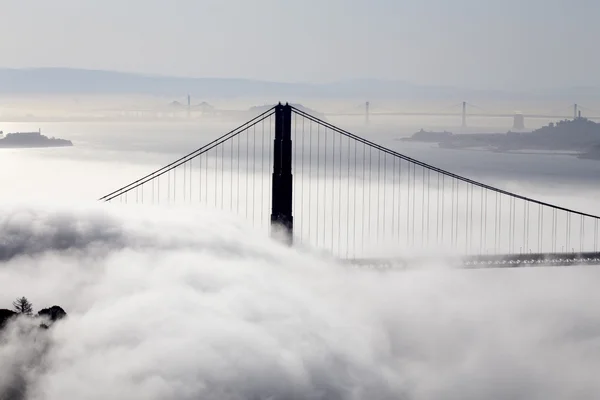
(518, 121)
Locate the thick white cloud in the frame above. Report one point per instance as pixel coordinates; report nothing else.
(193, 305)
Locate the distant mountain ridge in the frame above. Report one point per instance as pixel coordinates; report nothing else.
(65, 80)
(78, 81)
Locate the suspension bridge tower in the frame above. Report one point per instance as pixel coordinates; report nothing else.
(464, 114)
(367, 112)
(281, 214)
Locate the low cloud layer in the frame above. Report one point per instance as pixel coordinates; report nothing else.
(187, 305)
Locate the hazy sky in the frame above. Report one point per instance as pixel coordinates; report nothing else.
(477, 43)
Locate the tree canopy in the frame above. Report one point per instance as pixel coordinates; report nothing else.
(23, 306)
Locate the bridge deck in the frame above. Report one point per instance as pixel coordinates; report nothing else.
(483, 261)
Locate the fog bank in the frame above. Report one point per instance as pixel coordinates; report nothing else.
(187, 304)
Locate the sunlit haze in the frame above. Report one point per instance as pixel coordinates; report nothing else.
(510, 45)
(276, 200)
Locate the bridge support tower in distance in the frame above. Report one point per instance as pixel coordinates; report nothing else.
(464, 114)
(189, 106)
(281, 214)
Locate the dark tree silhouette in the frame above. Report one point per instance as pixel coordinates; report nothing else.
(23, 306)
(53, 313)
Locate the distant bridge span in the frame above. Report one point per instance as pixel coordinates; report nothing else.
(458, 115)
(482, 261)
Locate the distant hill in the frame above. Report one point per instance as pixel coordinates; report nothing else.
(577, 135)
(61, 80)
(79, 81)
